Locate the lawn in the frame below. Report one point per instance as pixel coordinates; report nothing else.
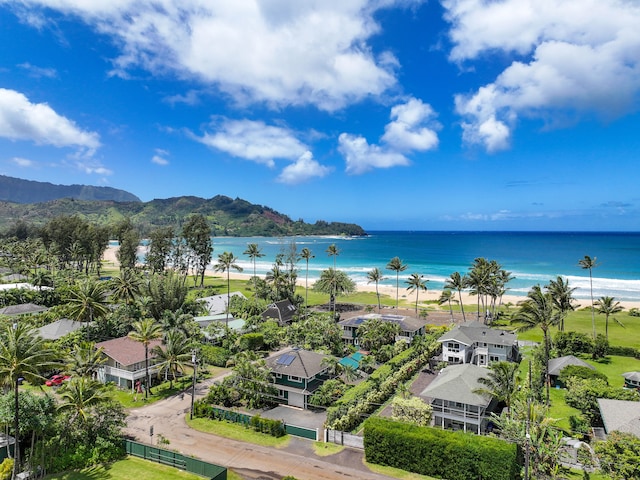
(131, 468)
(236, 431)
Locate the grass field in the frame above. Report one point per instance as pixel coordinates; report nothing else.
(131, 468)
(236, 431)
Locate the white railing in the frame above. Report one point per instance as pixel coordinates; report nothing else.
(128, 374)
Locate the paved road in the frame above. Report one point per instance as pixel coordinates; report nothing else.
(252, 462)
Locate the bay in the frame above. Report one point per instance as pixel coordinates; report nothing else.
(532, 257)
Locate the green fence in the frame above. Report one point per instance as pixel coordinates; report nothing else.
(243, 418)
(303, 432)
(175, 459)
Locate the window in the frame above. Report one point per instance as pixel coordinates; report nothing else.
(453, 346)
(294, 379)
(453, 360)
(281, 394)
(494, 358)
(278, 375)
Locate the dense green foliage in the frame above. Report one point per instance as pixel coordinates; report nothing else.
(439, 453)
(226, 216)
(619, 456)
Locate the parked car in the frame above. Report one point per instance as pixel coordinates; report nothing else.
(56, 380)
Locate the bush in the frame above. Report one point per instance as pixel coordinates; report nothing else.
(439, 453)
(6, 469)
(624, 351)
(275, 428)
(570, 343)
(217, 356)
(251, 341)
(600, 347)
(579, 371)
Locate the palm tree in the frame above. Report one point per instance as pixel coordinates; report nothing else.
(396, 265)
(334, 367)
(333, 251)
(253, 252)
(416, 283)
(80, 395)
(226, 262)
(501, 382)
(145, 331)
(23, 354)
(306, 255)
(447, 297)
(88, 301)
(588, 263)
(562, 296)
(334, 282)
(175, 355)
(538, 311)
(457, 282)
(608, 306)
(127, 287)
(85, 360)
(375, 275)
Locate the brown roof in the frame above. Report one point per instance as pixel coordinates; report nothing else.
(126, 351)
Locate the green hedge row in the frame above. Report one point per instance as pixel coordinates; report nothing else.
(275, 428)
(439, 453)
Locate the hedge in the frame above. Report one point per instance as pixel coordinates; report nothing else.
(439, 453)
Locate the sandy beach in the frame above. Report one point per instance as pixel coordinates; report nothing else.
(430, 295)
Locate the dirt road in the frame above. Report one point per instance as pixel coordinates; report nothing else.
(252, 462)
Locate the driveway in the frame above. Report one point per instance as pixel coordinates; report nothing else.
(251, 462)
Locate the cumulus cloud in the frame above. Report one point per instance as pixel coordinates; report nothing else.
(283, 52)
(412, 128)
(255, 141)
(574, 58)
(302, 170)
(38, 122)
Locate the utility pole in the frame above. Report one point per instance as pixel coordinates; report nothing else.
(194, 360)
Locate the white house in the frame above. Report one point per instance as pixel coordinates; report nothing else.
(126, 361)
(478, 344)
(409, 326)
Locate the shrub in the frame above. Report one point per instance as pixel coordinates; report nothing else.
(579, 371)
(6, 469)
(217, 356)
(600, 347)
(251, 341)
(569, 343)
(624, 351)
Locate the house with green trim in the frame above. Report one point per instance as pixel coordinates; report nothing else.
(297, 374)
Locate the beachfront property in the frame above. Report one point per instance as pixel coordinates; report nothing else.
(217, 304)
(454, 403)
(478, 344)
(282, 312)
(409, 326)
(125, 361)
(556, 365)
(297, 374)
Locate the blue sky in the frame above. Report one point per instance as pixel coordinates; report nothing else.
(393, 114)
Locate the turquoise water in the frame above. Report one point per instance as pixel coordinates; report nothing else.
(532, 257)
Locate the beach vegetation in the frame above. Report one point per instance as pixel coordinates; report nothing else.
(416, 283)
(589, 263)
(458, 283)
(397, 265)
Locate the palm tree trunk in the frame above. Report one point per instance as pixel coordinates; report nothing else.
(593, 315)
(464, 318)
(16, 445)
(546, 366)
(378, 296)
(146, 368)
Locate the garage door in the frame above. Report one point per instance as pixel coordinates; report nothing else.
(296, 399)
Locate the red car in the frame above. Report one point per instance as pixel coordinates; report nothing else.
(56, 380)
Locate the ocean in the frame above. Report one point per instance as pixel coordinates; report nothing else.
(532, 257)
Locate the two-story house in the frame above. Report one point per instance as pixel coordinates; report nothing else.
(125, 361)
(297, 374)
(478, 344)
(455, 404)
(409, 326)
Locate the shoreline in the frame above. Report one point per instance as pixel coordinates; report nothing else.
(430, 295)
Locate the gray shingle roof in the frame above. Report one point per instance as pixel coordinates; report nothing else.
(301, 363)
(59, 328)
(22, 309)
(282, 311)
(635, 376)
(407, 324)
(620, 415)
(216, 304)
(456, 383)
(472, 332)
(556, 365)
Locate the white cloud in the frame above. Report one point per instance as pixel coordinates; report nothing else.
(407, 130)
(92, 167)
(38, 122)
(411, 128)
(303, 169)
(39, 71)
(283, 52)
(575, 58)
(23, 162)
(159, 157)
(255, 141)
(362, 157)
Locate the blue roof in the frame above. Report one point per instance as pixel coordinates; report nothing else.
(357, 356)
(349, 362)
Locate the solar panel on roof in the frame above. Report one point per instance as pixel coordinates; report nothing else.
(285, 359)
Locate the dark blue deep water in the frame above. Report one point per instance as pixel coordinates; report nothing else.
(532, 257)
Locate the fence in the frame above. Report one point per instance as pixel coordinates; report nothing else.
(175, 459)
(344, 438)
(237, 417)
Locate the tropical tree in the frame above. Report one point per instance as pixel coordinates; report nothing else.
(84, 360)
(334, 282)
(501, 382)
(396, 265)
(126, 287)
(446, 296)
(458, 283)
(608, 306)
(588, 263)
(254, 252)
(160, 249)
(80, 395)
(374, 333)
(306, 255)
(334, 367)
(562, 296)
(164, 292)
(23, 355)
(376, 276)
(332, 251)
(226, 262)
(196, 233)
(252, 379)
(88, 301)
(174, 356)
(416, 283)
(145, 331)
(538, 311)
